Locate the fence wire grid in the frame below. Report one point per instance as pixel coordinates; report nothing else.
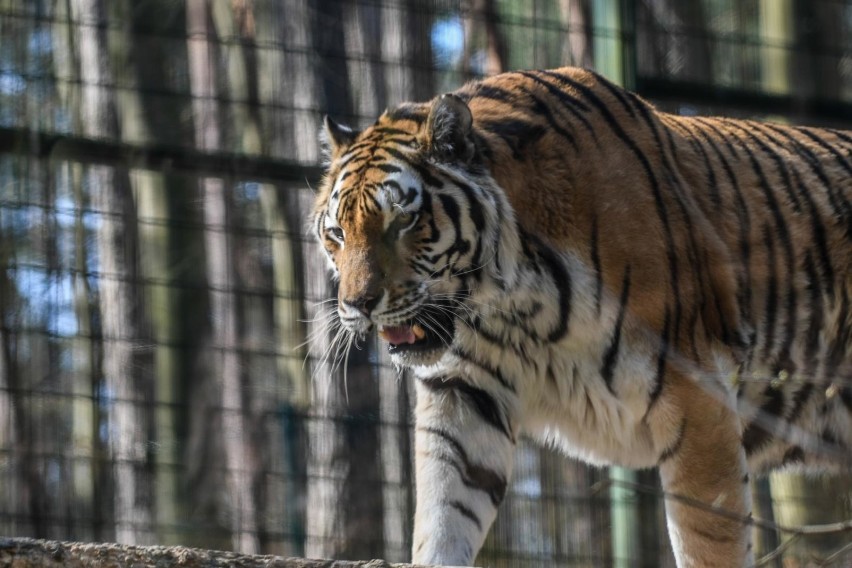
(159, 284)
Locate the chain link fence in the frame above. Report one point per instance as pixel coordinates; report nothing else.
(164, 367)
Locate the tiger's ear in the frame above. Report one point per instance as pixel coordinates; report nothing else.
(335, 138)
(448, 133)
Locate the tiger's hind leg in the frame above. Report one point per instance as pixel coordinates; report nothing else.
(703, 467)
(464, 452)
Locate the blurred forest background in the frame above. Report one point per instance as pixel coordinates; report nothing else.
(158, 282)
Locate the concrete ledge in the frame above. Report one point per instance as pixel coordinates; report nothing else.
(32, 553)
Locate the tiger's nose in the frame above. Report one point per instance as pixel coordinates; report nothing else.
(364, 304)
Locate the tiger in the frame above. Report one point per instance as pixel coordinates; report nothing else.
(553, 257)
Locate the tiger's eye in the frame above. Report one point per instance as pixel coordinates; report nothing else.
(405, 221)
(336, 233)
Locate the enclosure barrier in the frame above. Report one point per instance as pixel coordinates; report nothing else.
(28, 552)
(158, 278)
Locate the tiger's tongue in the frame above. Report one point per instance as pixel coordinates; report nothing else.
(398, 334)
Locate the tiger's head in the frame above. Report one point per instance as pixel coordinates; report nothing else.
(413, 225)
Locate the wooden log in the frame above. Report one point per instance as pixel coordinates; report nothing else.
(32, 553)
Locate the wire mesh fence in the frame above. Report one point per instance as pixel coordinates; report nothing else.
(159, 286)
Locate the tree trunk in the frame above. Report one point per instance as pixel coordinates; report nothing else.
(419, 20)
(325, 470)
(85, 421)
(396, 459)
(800, 500)
(127, 416)
(85, 418)
(117, 298)
(576, 531)
(692, 49)
(137, 61)
(15, 490)
(828, 32)
(396, 67)
(366, 65)
(246, 64)
(607, 42)
(7, 409)
(283, 219)
(819, 32)
(482, 20)
(239, 459)
(673, 38)
(576, 25)
(301, 77)
(776, 35)
(765, 541)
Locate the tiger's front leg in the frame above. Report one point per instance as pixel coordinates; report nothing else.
(464, 452)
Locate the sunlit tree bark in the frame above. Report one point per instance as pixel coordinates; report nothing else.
(301, 77)
(393, 46)
(801, 500)
(365, 67)
(285, 222)
(128, 420)
(84, 442)
(776, 35)
(248, 68)
(239, 460)
(85, 417)
(24, 361)
(136, 61)
(576, 23)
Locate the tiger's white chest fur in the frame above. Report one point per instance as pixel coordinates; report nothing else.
(563, 396)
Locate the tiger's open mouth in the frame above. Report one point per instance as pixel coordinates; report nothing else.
(398, 335)
(419, 335)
